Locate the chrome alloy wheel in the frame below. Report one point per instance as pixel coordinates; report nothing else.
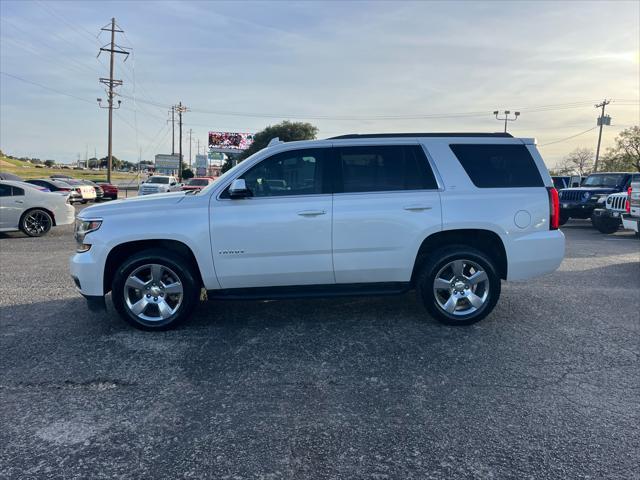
(37, 223)
(153, 292)
(461, 287)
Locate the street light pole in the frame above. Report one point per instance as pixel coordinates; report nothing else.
(506, 117)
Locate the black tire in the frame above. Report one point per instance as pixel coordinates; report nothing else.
(31, 217)
(84, 202)
(605, 225)
(177, 265)
(437, 261)
(564, 218)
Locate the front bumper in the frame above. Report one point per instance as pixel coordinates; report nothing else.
(577, 209)
(631, 223)
(604, 212)
(86, 270)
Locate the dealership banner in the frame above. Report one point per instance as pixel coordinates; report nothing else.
(222, 141)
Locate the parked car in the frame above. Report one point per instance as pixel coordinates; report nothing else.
(9, 176)
(87, 192)
(631, 217)
(60, 176)
(110, 190)
(197, 184)
(96, 187)
(609, 218)
(159, 184)
(580, 202)
(449, 215)
(24, 207)
(58, 186)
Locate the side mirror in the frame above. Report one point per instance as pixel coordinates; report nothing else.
(238, 189)
(173, 183)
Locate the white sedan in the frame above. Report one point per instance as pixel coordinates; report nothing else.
(24, 207)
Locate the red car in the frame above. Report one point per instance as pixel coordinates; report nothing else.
(197, 183)
(110, 191)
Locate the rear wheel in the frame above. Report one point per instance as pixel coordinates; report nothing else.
(458, 285)
(36, 223)
(155, 290)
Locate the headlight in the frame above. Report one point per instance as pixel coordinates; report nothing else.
(81, 228)
(586, 195)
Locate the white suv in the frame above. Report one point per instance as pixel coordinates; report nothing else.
(449, 215)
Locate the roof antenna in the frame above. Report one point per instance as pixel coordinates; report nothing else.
(274, 141)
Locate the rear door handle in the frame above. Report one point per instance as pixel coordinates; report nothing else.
(417, 208)
(19, 201)
(311, 213)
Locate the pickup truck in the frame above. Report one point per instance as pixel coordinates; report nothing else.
(159, 184)
(631, 219)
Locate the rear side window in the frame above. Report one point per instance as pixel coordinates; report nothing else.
(17, 191)
(498, 166)
(384, 168)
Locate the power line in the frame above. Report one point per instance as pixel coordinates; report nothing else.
(568, 138)
(47, 88)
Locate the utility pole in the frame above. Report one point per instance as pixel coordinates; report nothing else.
(180, 109)
(111, 83)
(198, 146)
(190, 133)
(602, 120)
(506, 117)
(173, 127)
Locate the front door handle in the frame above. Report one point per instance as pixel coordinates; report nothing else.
(417, 208)
(311, 213)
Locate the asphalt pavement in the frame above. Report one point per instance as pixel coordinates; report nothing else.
(546, 387)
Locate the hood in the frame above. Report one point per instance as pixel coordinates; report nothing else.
(159, 201)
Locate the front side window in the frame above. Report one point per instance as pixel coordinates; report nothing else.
(384, 168)
(296, 172)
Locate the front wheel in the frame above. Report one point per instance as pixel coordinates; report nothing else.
(36, 223)
(605, 224)
(155, 290)
(458, 285)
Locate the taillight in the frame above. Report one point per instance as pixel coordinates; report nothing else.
(627, 204)
(554, 209)
(63, 189)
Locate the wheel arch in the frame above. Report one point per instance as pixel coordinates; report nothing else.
(49, 212)
(487, 241)
(120, 252)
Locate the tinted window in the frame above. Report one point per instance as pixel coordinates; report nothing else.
(164, 180)
(498, 166)
(297, 172)
(5, 191)
(198, 182)
(17, 191)
(385, 168)
(609, 180)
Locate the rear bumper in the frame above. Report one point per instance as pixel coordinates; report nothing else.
(66, 216)
(535, 254)
(631, 223)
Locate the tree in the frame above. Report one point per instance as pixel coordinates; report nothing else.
(286, 131)
(115, 162)
(579, 162)
(49, 163)
(187, 173)
(625, 155)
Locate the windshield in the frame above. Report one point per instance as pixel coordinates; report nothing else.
(198, 182)
(164, 180)
(604, 180)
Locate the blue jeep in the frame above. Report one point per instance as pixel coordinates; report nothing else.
(580, 202)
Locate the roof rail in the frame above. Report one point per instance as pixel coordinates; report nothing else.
(419, 134)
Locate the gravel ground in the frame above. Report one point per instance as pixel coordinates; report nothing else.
(546, 387)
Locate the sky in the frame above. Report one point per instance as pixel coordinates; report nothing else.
(346, 67)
